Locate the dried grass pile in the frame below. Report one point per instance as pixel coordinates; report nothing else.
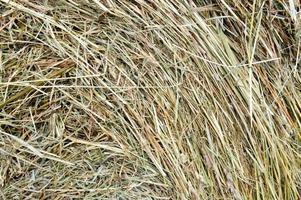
(150, 99)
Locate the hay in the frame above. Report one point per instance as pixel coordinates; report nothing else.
(139, 99)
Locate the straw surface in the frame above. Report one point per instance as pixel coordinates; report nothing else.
(150, 99)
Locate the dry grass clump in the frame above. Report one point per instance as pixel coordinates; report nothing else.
(150, 99)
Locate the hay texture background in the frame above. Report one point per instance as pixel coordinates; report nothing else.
(150, 99)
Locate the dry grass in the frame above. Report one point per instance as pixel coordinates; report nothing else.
(150, 99)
